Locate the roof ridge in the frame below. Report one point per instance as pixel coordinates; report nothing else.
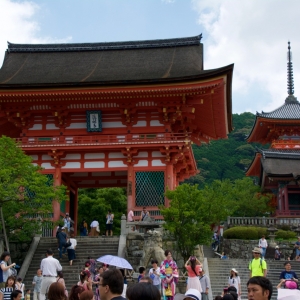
(63, 47)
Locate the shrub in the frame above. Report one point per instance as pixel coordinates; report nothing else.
(285, 235)
(245, 233)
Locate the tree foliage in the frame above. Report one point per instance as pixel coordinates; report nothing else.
(185, 218)
(93, 204)
(25, 194)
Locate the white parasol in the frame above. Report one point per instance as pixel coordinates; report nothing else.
(116, 261)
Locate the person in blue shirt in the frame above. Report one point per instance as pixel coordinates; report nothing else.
(288, 274)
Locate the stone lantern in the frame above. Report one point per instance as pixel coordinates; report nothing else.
(272, 235)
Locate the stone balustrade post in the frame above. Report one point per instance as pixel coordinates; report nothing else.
(123, 225)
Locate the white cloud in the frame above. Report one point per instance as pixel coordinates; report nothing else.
(252, 34)
(17, 25)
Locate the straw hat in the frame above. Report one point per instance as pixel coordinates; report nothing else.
(234, 270)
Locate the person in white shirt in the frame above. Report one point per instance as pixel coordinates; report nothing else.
(49, 266)
(154, 274)
(263, 244)
(109, 223)
(94, 226)
(71, 249)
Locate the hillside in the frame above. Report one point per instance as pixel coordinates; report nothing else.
(226, 159)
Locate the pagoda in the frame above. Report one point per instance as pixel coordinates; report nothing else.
(278, 168)
(119, 114)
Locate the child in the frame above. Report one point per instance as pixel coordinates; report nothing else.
(142, 272)
(27, 294)
(20, 286)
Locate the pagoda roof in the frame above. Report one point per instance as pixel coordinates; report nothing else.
(288, 113)
(87, 64)
(275, 163)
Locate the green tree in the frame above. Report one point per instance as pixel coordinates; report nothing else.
(25, 194)
(249, 201)
(93, 204)
(185, 220)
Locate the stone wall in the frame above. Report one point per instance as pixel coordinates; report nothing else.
(243, 248)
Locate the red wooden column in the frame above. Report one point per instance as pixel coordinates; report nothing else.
(75, 210)
(169, 180)
(286, 199)
(130, 188)
(55, 204)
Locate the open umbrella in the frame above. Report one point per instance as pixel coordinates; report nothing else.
(286, 294)
(116, 261)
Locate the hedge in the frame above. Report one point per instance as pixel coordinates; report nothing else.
(254, 233)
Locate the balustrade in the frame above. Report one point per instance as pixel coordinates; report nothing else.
(261, 221)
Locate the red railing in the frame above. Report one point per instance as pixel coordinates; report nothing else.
(104, 139)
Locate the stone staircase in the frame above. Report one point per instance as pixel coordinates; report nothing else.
(86, 246)
(219, 272)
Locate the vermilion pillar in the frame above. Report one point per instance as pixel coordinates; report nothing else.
(75, 210)
(55, 204)
(130, 189)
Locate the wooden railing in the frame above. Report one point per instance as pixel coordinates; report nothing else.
(103, 139)
(261, 221)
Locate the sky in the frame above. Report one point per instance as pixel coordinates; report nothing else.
(251, 34)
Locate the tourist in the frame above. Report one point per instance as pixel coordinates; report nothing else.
(234, 280)
(205, 284)
(109, 223)
(130, 216)
(233, 292)
(20, 286)
(125, 283)
(105, 267)
(297, 246)
(75, 292)
(5, 269)
(191, 294)
(193, 267)
(154, 274)
(259, 288)
(257, 266)
(62, 239)
(36, 282)
(71, 249)
(67, 223)
(16, 295)
(142, 272)
(263, 245)
(56, 292)
(49, 266)
(277, 254)
(169, 275)
(60, 279)
(92, 267)
(87, 295)
(288, 275)
(94, 226)
(8, 288)
(83, 228)
(143, 291)
(27, 294)
(97, 279)
(144, 214)
(111, 285)
(85, 280)
(215, 243)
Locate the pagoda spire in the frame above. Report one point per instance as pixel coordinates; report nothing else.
(290, 78)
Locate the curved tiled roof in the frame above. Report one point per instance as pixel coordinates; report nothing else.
(279, 153)
(286, 111)
(153, 61)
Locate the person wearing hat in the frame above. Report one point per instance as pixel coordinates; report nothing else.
(234, 280)
(277, 254)
(257, 266)
(191, 294)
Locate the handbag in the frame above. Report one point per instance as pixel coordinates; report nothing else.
(168, 291)
(68, 244)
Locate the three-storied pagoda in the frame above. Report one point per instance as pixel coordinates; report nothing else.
(278, 167)
(120, 114)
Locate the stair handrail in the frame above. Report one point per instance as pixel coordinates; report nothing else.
(28, 258)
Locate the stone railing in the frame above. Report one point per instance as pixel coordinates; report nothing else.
(261, 221)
